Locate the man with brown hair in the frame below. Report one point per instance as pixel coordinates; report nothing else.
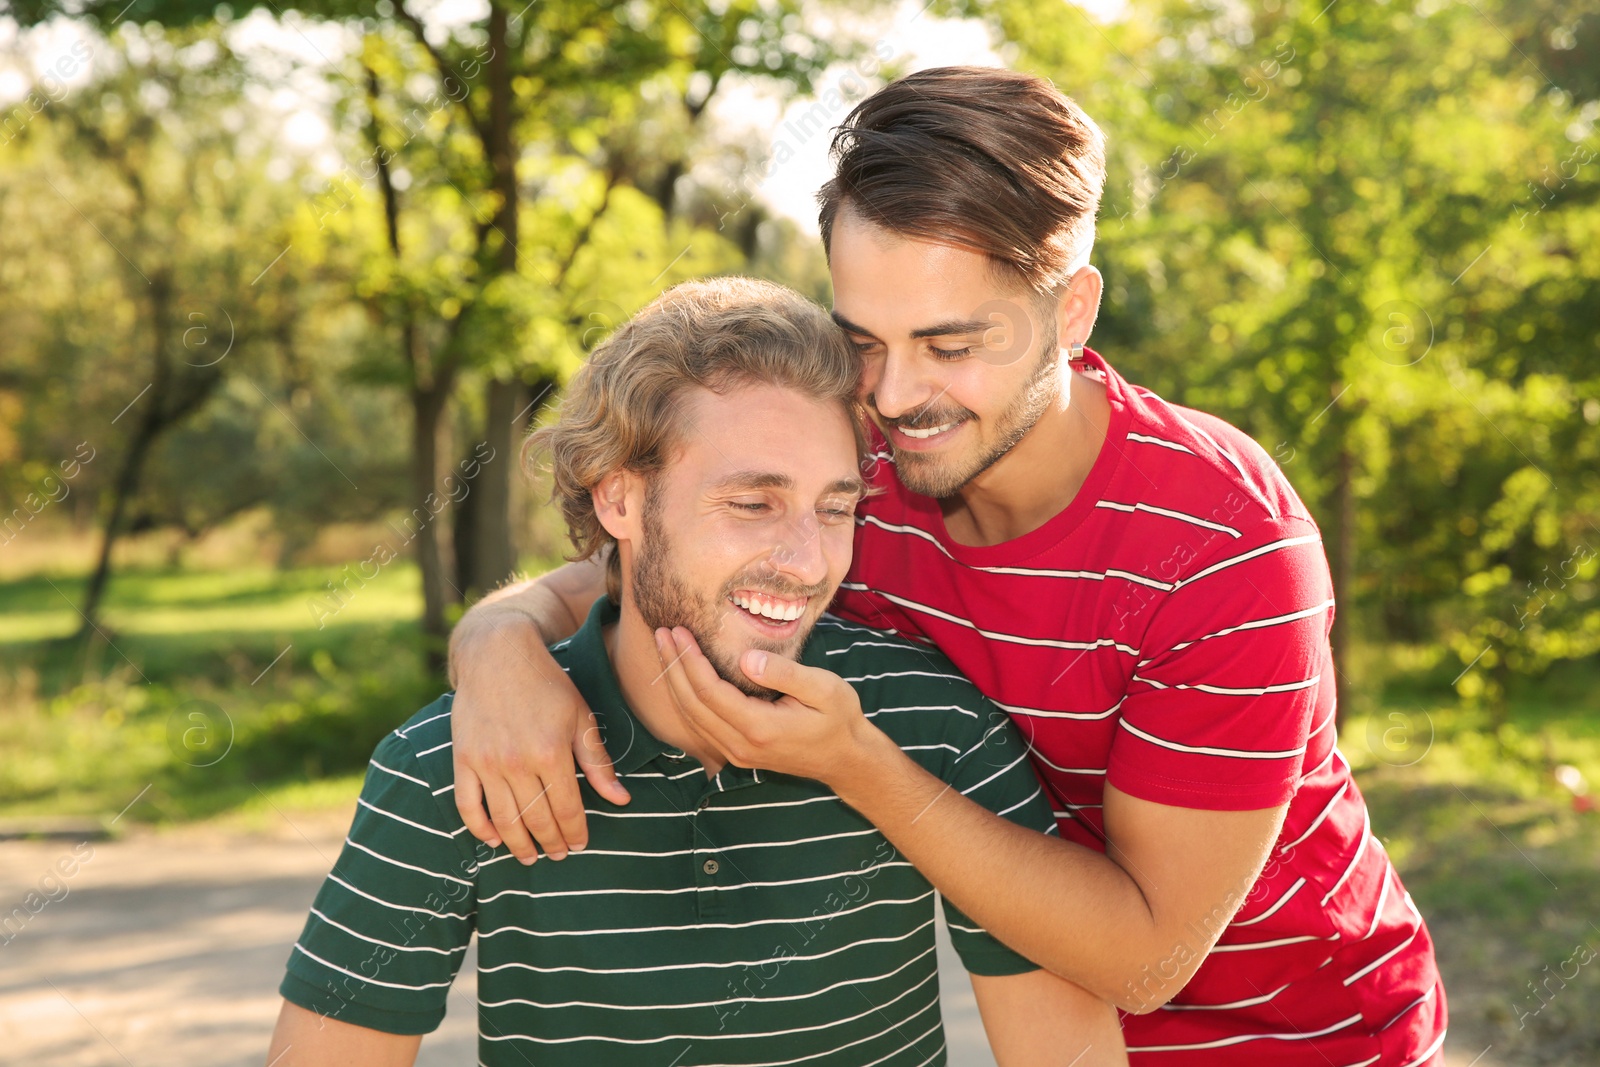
(1134, 582)
(725, 915)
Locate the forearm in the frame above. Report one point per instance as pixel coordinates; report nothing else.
(1037, 1019)
(1130, 925)
(553, 605)
(305, 1039)
(1070, 909)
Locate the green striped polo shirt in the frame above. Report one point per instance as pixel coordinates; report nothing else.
(752, 918)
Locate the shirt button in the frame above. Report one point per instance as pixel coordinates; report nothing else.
(711, 866)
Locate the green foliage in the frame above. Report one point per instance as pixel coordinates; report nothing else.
(175, 204)
(188, 698)
(1365, 233)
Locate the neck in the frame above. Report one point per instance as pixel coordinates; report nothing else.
(631, 645)
(1040, 475)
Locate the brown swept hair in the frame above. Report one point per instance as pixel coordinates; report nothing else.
(623, 410)
(990, 159)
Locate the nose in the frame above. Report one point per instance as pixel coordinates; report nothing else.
(798, 555)
(900, 386)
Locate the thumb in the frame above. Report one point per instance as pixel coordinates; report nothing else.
(589, 750)
(811, 686)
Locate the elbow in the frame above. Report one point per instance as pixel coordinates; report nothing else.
(1153, 984)
(1129, 992)
(1140, 1004)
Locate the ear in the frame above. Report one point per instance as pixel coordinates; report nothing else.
(619, 503)
(1078, 306)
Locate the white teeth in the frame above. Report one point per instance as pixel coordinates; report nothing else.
(769, 608)
(923, 434)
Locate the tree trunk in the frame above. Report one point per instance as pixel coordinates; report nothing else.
(431, 384)
(122, 490)
(425, 523)
(501, 148)
(464, 526)
(149, 427)
(489, 553)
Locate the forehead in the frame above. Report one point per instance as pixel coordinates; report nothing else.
(766, 430)
(890, 282)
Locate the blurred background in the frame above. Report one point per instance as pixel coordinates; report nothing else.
(283, 286)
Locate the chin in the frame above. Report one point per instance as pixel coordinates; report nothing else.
(728, 669)
(726, 661)
(751, 689)
(933, 478)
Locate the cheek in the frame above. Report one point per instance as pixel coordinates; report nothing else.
(727, 546)
(730, 547)
(838, 544)
(980, 387)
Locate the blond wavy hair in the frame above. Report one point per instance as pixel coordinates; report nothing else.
(623, 408)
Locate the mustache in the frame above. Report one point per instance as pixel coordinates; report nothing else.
(922, 419)
(759, 583)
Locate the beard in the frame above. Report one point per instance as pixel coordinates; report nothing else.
(665, 600)
(943, 476)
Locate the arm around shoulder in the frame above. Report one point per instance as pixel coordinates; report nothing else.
(551, 606)
(519, 726)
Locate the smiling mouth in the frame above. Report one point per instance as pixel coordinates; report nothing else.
(768, 608)
(932, 431)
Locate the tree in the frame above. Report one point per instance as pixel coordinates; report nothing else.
(138, 172)
(578, 80)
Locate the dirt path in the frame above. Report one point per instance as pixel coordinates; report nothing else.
(167, 949)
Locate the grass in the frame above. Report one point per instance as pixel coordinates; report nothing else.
(229, 693)
(1497, 853)
(212, 689)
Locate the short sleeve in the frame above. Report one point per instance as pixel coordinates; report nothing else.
(992, 769)
(391, 924)
(1234, 669)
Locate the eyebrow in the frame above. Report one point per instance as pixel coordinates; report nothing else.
(948, 328)
(747, 480)
(848, 486)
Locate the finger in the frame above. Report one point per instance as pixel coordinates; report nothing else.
(533, 809)
(811, 686)
(589, 749)
(469, 804)
(711, 730)
(716, 708)
(564, 801)
(507, 822)
(715, 692)
(673, 677)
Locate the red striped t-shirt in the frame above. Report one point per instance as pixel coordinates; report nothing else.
(1168, 632)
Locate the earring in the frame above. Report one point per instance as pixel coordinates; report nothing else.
(1075, 352)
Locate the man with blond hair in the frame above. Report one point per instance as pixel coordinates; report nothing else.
(726, 915)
